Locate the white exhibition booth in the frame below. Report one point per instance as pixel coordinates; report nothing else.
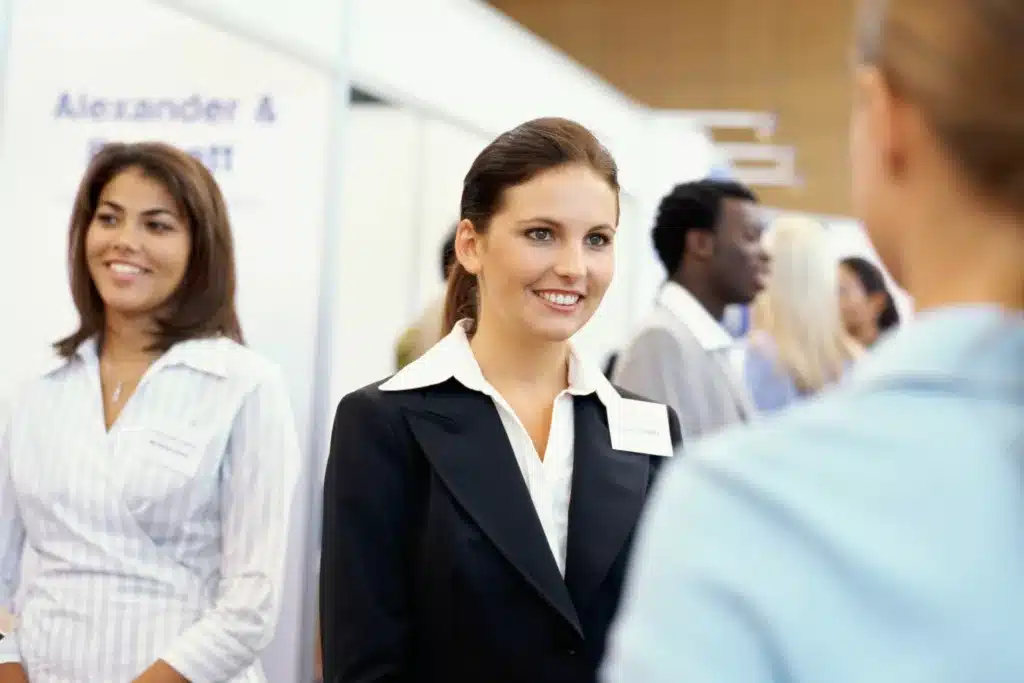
(78, 73)
(338, 211)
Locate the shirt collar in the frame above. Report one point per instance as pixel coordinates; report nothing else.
(452, 358)
(709, 332)
(207, 355)
(972, 344)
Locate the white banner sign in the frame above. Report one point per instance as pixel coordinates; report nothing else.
(82, 73)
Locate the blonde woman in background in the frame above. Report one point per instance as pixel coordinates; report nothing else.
(799, 344)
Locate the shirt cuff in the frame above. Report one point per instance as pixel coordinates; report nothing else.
(205, 665)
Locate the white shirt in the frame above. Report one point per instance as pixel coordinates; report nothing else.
(710, 333)
(549, 481)
(162, 539)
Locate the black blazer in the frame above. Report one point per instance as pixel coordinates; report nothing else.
(434, 565)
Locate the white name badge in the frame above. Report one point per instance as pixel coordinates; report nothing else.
(641, 427)
(180, 453)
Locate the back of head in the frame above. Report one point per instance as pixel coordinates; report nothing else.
(514, 158)
(799, 308)
(691, 206)
(959, 62)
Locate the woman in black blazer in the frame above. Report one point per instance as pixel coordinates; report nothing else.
(480, 505)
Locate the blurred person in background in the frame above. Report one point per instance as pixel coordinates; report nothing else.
(799, 344)
(708, 238)
(450, 550)
(869, 309)
(152, 468)
(427, 331)
(875, 533)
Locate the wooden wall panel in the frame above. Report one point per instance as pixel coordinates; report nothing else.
(786, 56)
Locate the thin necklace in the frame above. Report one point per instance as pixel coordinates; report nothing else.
(115, 395)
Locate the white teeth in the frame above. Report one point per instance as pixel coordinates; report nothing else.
(561, 299)
(125, 269)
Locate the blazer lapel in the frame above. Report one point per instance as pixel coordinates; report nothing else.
(462, 436)
(608, 492)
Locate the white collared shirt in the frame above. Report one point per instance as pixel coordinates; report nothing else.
(164, 538)
(710, 333)
(549, 481)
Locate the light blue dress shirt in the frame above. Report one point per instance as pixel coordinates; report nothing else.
(872, 535)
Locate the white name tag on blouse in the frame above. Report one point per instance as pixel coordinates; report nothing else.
(642, 427)
(178, 453)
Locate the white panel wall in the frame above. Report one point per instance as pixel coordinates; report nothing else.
(376, 251)
(308, 29)
(675, 150)
(447, 153)
(469, 62)
(400, 196)
(459, 60)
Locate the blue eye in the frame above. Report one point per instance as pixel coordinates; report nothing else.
(106, 218)
(540, 234)
(596, 239)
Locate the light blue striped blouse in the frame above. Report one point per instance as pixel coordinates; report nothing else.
(874, 534)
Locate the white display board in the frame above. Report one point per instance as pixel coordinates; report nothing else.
(80, 73)
(381, 203)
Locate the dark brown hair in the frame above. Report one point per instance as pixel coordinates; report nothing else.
(873, 282)
(516, 157)
(960, 62)
(204, 303)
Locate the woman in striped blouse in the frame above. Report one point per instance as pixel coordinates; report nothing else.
(152, 467)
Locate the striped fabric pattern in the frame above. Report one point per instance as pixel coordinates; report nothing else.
(164, 538)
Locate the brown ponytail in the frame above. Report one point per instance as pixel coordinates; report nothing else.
(460, 299)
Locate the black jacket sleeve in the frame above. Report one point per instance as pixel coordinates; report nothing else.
(365, 563)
